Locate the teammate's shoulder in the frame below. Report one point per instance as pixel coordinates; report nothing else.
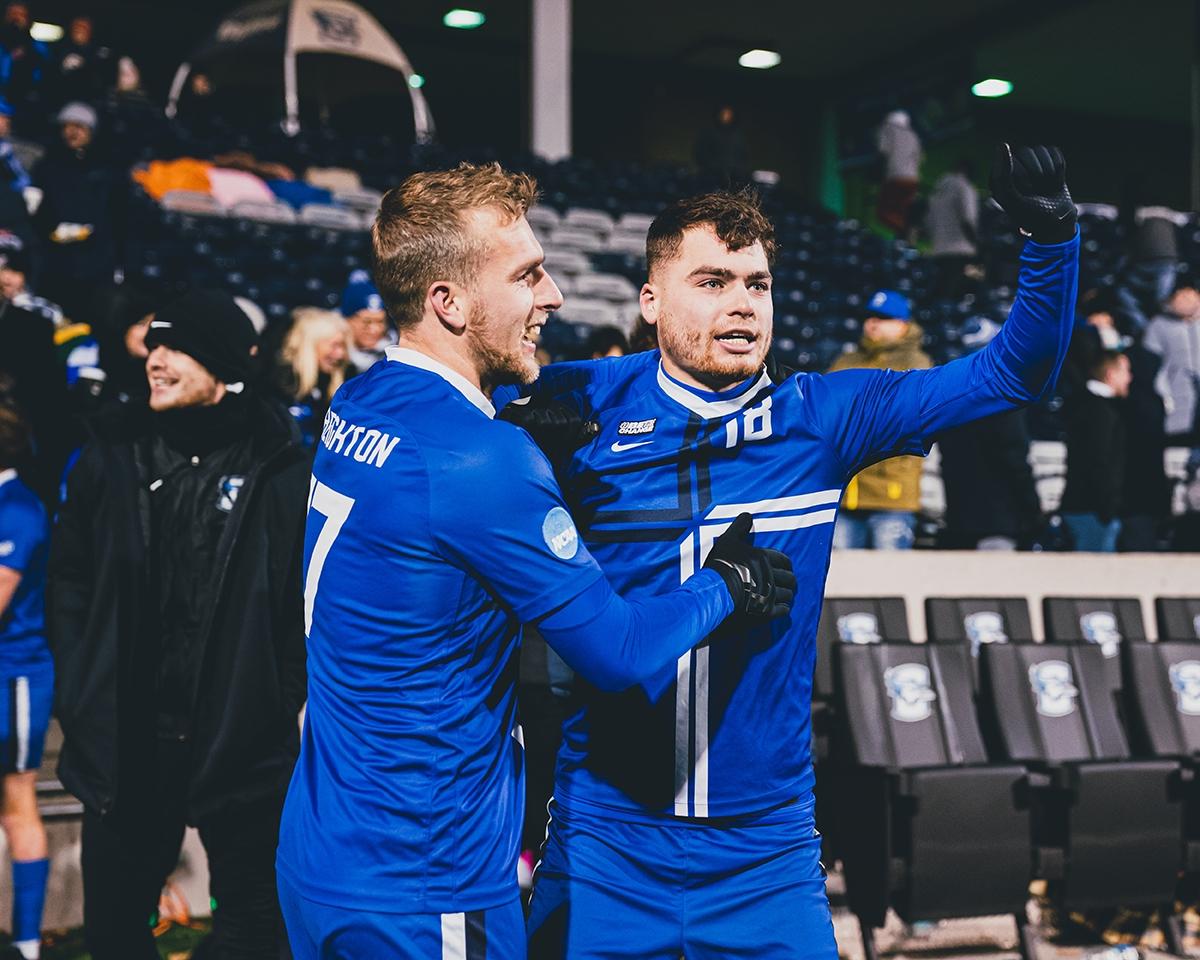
(19, 500)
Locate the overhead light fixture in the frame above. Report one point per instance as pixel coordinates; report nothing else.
(416, 81)
(46, 32)
(992, 87)
(461, 19)
(759, 59)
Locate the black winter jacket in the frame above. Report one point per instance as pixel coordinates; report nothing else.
(252, 682)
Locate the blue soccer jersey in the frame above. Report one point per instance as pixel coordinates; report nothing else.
(725, 731)
(24, 542)
(433, 533)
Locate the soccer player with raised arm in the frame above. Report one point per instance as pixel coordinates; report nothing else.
(682, 823)
(433, 533)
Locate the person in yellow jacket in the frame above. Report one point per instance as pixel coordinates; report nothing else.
(880, 504)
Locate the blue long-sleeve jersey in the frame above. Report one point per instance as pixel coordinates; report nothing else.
(725, 730)
(433, 533)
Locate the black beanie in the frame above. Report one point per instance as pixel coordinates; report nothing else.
(210, 328)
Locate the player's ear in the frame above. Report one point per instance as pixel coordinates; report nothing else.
(649, 301)
(447, 300)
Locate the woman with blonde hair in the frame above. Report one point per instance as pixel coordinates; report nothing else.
(312, 365)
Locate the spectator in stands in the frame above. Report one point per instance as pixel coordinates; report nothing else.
(644, 337)
(26, 680)
(1175, 336)
(606, 342)
(23, 60)
(952, 222)
(901, 150)
(1095, 331)
(1096, 454)
(1149, 279)
(77, 215)
(313, 364)
(364, 312)
(879, 508)
(176, 623)
(83, 69)
(991, 499)
(28, 360)
(1146, 491)
(721, 150)
(121, 334)
(12, 173)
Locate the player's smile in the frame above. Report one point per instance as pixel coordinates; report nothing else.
(739, 340)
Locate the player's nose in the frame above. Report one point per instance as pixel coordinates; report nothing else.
(549, 297)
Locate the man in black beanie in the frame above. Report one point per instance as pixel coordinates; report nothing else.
(176, 624)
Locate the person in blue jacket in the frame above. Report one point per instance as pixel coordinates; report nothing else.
(682, 821)
(433, 533)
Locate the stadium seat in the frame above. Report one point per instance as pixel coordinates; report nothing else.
(363, 199)
(597, 221)
(635, 223)
(1107, 829)
(1178, 618)
(543, 219)
(578, 239)
(939, 831)
(1105, 622)
(193, 202)
(594, 313)
(566, 261)
(976, 621)
(264, 212)
(326, 215)
(606, 286)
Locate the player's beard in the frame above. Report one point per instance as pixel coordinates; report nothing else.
(497, 358)
(697, 352)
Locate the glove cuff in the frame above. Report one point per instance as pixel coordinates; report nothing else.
(1061, 233)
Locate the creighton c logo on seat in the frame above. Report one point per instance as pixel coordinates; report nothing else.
(986, 626)
(1100, 628)
(1054, 687)
(859, 627)
(908, 686)
(1185, 681)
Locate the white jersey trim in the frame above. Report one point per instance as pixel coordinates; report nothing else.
(709, 409)
(6, 475)
(454, 936)
(414, 358)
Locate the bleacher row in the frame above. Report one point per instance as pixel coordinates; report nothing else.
(952, 773)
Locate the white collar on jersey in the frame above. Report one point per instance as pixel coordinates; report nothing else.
(414, 358)
(709, 409)
(6, 475)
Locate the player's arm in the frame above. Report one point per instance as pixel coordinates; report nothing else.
(22, 531)
(10, 579)
(505, 520)
(869, 415)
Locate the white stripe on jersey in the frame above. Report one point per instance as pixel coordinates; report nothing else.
(691, 713)
(710, 409)
(454, 936)
(21, 701)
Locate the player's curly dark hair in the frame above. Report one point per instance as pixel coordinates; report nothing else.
(14, 435)
(735, 216)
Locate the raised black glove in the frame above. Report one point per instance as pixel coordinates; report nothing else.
(776, 369)
(554, 426)
(1030, 184)
(760, 581)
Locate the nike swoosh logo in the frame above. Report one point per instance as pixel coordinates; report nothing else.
(619, 446)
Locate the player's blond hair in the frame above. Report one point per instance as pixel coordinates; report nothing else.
(421, 234)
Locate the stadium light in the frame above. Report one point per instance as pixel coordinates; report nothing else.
(992, 87)
(416, 81)
(46, 32)
(461, 19)
(759, 59)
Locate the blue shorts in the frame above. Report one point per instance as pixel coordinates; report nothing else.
(750, 888)
(26, 696)
(317, 931)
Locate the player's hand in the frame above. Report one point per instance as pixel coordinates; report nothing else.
(776, 369)
(760, 580)
(554, 426)
(1030, 185)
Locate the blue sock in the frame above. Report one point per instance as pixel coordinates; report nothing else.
(29, 896)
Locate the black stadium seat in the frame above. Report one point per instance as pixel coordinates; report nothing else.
(978, 620)
(1107, 829)
(1104, 622)
(939, 831)
(1178, 618)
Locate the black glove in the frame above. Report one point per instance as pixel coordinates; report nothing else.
(554, 426)
(761, 581)
(1030, 184)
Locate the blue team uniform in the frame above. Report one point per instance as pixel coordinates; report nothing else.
(433, 533)
(26, 669)
(653, 783)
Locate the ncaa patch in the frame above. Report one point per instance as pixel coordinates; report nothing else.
(558, 530)
(635, 428)
(7, 548)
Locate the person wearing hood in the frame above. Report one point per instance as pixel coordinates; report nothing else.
(879, 507)
(176, 623)
(370, 335)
